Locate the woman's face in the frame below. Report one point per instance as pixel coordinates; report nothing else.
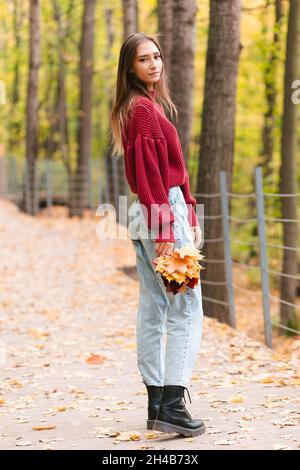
(147, 62)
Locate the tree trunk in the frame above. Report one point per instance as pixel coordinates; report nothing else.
(29, 195)
(270, 76)
(288, 181)
(115, 178)
(182, 68)
(165, 25)
(14, 124)
(79, 185)
(130, 17)
(217, 139)
(61, 107)
(57, 137)
(270, 94)
(130, 25)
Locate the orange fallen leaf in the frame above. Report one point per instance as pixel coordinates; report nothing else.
(128, 436)
(44, 428)
(15, 383)
(60, 408)
(95, 359)
(267, 380)
(37, 333)
(130, 346)
(151, 435)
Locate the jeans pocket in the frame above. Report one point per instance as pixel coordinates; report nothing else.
(173, 195)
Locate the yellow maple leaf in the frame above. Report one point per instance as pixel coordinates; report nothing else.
(295, 382)
(128, 436)
(187, 251)
(236, 399)
(151, 435)
(60, 408)
(267, 380)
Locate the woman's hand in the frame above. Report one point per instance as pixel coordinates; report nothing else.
(196, 230)
(164, 248)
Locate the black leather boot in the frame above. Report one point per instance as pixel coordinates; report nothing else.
(173, 416)
(154, 397)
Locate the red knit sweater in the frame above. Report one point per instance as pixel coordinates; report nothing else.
(154, 162)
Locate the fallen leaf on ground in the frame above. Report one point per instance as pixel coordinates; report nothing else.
(236, 399)
(95, 359)
(128, 436)
(44, 428)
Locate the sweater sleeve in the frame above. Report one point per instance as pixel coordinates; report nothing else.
(147, 153)
(190, 201)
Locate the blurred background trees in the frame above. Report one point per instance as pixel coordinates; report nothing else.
(233, 66)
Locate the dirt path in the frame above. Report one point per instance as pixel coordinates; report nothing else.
(63, 297)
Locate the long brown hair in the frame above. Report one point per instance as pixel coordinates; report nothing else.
(129, 85)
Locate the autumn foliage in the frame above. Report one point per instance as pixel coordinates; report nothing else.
(180, 269)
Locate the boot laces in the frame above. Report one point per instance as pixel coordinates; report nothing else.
(185, 389)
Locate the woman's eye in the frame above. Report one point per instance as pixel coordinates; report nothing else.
(156, 57)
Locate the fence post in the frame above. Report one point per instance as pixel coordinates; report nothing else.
(91, 189)
(106, 179)
(48, 187)
(115, 181)
(36, 188)
(13, 184)
(227, 249)
(263, 255)
(26, 186)
(3, 175)
(99, 182)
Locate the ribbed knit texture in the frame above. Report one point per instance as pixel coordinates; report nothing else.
(154, 163)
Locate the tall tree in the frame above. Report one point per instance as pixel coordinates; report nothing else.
(130, 25)
(19, 14)
(182, 67)
(270, 75)
(61, 121)
(217, 139)
(29, 196)
(80, 184)
(130, 17)
(114, 168)
(288, 181)
(109, 165)
(271, 64)
(165, 27)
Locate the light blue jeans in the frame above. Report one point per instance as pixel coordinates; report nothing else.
(180, 316)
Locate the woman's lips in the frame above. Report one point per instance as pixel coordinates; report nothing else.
(155, 73)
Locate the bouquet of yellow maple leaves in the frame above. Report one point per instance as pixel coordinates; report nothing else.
(180, 269)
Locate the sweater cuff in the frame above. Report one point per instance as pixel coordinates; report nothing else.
(192, 216)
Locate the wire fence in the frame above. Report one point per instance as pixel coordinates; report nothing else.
(53, 185)
(262, 245)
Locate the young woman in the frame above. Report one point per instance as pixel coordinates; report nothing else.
(156, 173)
